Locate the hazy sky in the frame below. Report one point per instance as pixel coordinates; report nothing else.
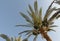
(9, 17)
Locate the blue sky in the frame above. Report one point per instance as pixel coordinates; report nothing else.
(9, 17)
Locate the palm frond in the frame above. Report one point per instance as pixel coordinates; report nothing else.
(19, 39)
(53, 26)
(5, 37)
(12, 39)
(25, 40)
(29, 13)
(36, 7)
(47, 14)
(35, 38)
(29, 35)
(25, 25)
(51, 23)
(51, 30)
(54, 16)
(40, 16)
(25, 31)
(50, 12)
(57, 2)
(15, 39)
(30, 8)
(33, 14)
(58, 17)
(26, 17)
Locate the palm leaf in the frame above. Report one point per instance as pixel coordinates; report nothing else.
(30, 8)
(15, 39)
(51, 30)
(58, 2)
(40, 16)
(25, 39)
(47, 12)
(58, 17)
(26, 17)
(51, 23)
(54, 16)
(29, 13)
(29, 35)
(5, 37)
(35, 38)
(32, 14)
(50, 12)
(25, 31)
(36, 7)
(25, 25)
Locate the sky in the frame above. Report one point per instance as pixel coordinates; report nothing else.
(10, 17)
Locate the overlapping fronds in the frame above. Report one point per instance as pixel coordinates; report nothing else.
(5, 37)
(26, 31)
(10, 39)
(58, 17)
(54, 16)
(33, 15)
(26, 17)
(40, 16)
(58, 2)
(51, 30)
(47, 14)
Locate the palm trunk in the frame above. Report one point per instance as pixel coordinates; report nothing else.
(45, 35)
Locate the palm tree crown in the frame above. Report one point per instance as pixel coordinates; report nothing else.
(40, 25)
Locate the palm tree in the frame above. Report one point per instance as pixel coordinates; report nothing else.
(10, 39)
(40, 25)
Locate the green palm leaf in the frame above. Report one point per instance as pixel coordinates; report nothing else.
(15, 39)
(53, 16)
(12, 39)
(51, 23)
(53, 26)
(35, 38)
(58, 2)
(40, 16)
(51, 30)
(47, 12)
(25, 39)
(29, 13)
(5, 37)
(36, 7)
(25, 31)
(25, 25)
(19, 39)
(30, 8)
(58, 17)
(32, 14)
(26, 17)
(28, 33)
